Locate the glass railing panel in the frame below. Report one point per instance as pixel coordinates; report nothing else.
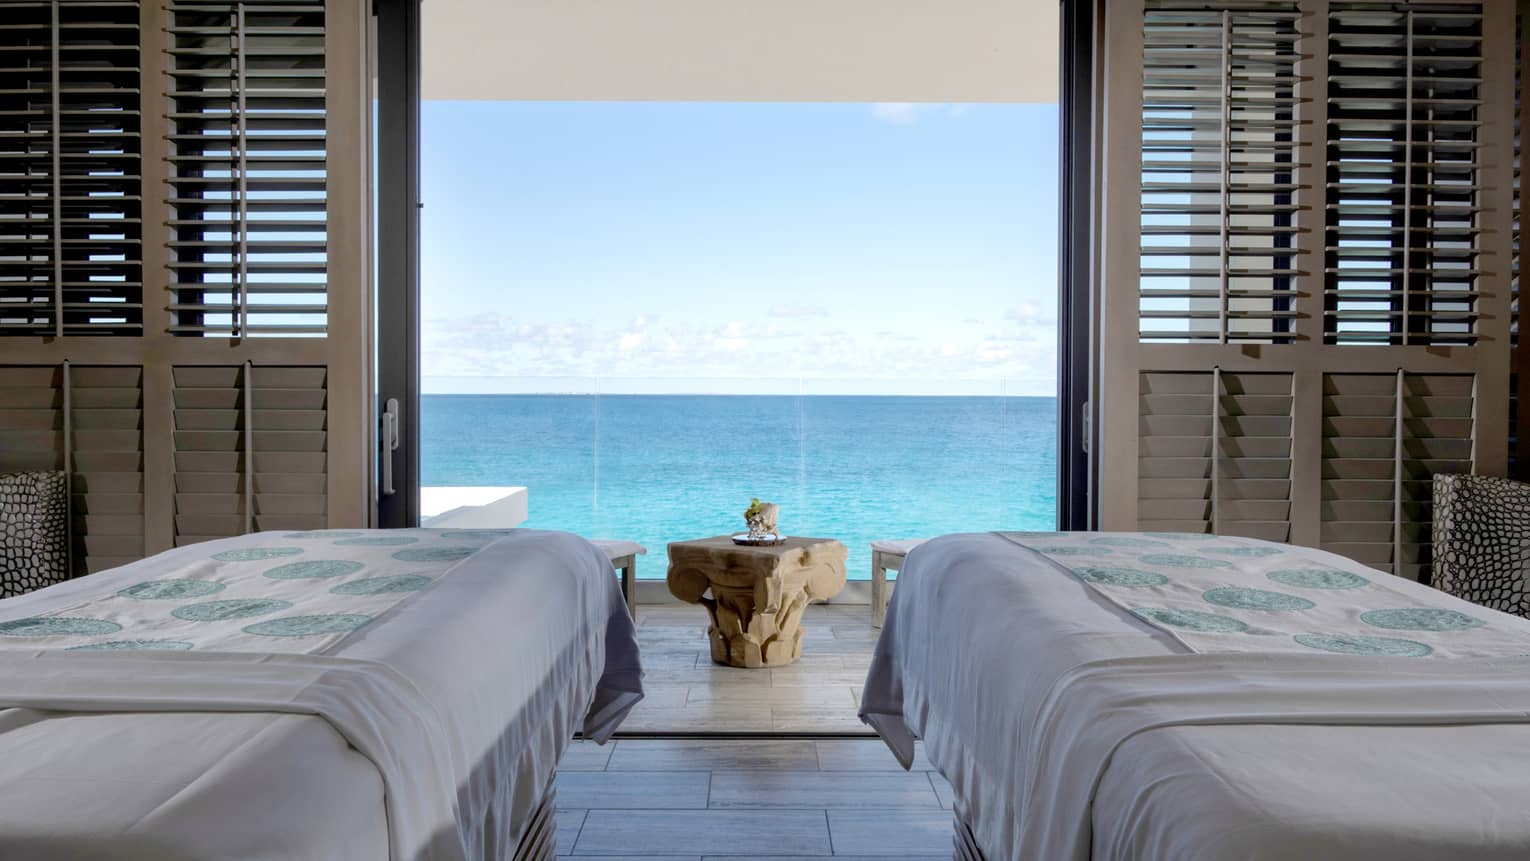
(622, 459)
(681, 466)
(911, 465)
(518, 437)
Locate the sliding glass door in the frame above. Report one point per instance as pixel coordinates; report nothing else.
(644, 302)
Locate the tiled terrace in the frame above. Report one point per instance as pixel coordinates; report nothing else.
(749, 800)
(687, 693)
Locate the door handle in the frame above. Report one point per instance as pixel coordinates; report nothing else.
(389, 444)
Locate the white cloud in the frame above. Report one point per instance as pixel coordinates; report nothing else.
(897, 113)
(630, 341)
(494, 346)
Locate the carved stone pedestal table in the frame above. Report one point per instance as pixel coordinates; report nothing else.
(756, 594)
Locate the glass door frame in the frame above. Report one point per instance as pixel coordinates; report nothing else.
(1077, 373)
(398, 262)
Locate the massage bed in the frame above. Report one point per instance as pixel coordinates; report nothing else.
(1175, 696)
(355, 694)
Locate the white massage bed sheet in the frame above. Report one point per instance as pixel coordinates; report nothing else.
(185, 787)
(527, 641)
(1261, 791)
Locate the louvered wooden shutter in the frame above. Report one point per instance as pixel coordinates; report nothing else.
(290, 447)
(229, 480)
(106, 412)
(1254, 455)
(1360, 448)
(1305, 262)
(87, 422)
(1437, 438)
(1385, 437)
(248, 168)
(31, 419)
(71, 260)
(1214, 453)
(1404, 160)
(1218, 151)
(210, 453)
(1176, 449)
(185, 225)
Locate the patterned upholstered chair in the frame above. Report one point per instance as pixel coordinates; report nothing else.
(34, 534)
(1482, 541)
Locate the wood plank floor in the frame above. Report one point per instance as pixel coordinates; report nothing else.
(687, 693)
(749, 800)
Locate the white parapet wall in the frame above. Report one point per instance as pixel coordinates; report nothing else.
(473, 507)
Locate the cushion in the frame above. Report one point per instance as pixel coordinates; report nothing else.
(1482, 541)
(34, 533)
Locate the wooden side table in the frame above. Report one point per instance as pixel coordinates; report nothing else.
(757, 594)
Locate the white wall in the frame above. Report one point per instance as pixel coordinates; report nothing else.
(741, 50)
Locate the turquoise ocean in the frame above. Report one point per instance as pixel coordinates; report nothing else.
(661, 468)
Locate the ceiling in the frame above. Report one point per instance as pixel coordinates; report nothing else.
(741, 50)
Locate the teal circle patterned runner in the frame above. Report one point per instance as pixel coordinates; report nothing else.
(293, 592)
(1218, 594)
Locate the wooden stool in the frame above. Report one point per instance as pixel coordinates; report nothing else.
(623, 556)
(886, 554)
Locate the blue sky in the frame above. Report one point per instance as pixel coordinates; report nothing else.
(697, 247)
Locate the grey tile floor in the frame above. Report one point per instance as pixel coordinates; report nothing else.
(749, 800)
(756, 799)
(687, 693)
